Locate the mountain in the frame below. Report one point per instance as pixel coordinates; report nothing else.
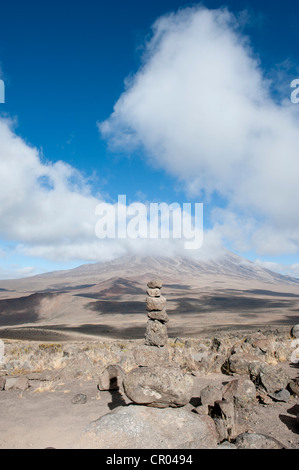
(110, 296)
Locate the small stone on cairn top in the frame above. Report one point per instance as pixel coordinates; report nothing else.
(156, 329)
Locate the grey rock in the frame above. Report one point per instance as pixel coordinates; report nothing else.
(239, 363)
(155, 303)
(153, 292)
(16, 383)
(111, 378)
(79, 399)
(293, 386)
(294, 358)
(155, 284)
(224, 417)
(282, 395)
(295, 331)
(22, 383)
(210, 394)
(140, 427)
(257, 441)
(160, 315)
(158, 386)
(148, 356)
(241, 392)
(271, 378)
(202, 410)
(156, 333)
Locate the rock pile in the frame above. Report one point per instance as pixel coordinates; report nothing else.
(155, 382)
(156, 328)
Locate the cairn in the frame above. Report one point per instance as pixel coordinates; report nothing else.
(156, 328)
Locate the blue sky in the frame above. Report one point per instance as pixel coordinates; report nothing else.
(64, 65)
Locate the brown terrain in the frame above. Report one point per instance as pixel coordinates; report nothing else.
(61, 330)
(107, 299)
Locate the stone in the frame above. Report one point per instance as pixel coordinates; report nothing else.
(155, 284)
(160, 315)
(156, 333)
(153, 292)
(149, 356)
(257, 441)
(282, 395)
(239, 363)
(210, 394)
(22, 383)
(155, 303)
(202, 410)
(294, 359)
(293, 386)
(141, 427)
(158, 386)
(79, 399)
(241, 392)
(224, 417)
(295, 331)
(111, 378)
(10, 383)
(271, 378)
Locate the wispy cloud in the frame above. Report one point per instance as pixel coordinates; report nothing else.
(201, 108)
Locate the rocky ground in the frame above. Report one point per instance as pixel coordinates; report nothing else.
(244, 387)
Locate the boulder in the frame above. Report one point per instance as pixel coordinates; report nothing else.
(224, 417)
(155, 284)
(294, 359)
(241, 392)
(111, 378)
(282, 395)
(156, 333)
(270, 378)
(140, 427)
(293, 386)
(155, 303)
(160, 315)
(158, 386)
(210, 394)
(17, 383)
(257, 441)
(153, 292)
(148, 356)
(239, 363)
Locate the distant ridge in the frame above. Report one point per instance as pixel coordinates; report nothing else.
(136, 267)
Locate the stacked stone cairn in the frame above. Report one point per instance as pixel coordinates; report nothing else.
(158, 383)
(156, 328)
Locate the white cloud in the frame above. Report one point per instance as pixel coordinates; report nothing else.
(201, 109)
(47, 211)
